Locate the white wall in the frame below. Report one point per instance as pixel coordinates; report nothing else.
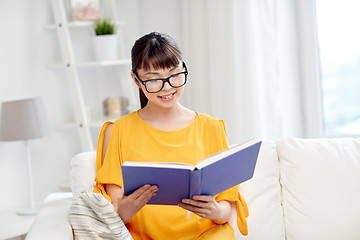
(26, 48)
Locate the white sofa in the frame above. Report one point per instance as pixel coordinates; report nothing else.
(302, 189)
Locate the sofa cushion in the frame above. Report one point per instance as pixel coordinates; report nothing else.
(320, 188)
(52, 221)
(83, 171)
(262, 194)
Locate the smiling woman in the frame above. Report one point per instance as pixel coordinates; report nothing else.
(164, 131)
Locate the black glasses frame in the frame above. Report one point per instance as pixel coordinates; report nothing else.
(164, 80)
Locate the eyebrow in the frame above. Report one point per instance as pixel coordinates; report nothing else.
(156, 73)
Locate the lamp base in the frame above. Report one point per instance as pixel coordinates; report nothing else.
(28, 211)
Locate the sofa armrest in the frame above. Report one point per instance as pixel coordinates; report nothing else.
(52, 221)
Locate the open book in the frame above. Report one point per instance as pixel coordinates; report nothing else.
(210, 176)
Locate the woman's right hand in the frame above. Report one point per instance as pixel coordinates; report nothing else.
(128, 206)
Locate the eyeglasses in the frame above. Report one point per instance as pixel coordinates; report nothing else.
(156, 85)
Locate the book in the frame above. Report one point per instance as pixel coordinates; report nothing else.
(211, 176)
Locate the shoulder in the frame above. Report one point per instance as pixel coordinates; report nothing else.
(115, 127)
(214, 131)
(126, 119)
(122, 122)
(210, 121)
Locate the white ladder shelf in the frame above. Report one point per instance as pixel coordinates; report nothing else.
(62, 26)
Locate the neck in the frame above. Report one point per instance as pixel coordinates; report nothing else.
(163, 113)
(169, 119)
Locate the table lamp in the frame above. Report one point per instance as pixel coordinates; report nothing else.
(23, 120)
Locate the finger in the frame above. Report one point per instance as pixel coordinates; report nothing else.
(191, 208)
(194, 202)
(204, 198)
(197, 210)
(147, 195)
(138, 192)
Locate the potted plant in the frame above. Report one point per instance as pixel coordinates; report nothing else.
(105, 40)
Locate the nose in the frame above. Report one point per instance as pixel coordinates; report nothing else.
(167, 86)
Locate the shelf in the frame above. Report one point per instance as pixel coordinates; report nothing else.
(118, 62)
(80, 24)
(105, 63)
(71, 125)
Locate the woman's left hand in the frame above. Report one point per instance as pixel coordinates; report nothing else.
(207, 207)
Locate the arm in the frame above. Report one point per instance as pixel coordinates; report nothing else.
(106, 139)
(207, 207)
(126, 206)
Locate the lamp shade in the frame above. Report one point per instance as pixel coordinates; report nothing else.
(23, 120)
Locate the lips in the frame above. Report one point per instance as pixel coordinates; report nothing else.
(167, 97)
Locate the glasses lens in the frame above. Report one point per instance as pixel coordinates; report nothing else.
(154, 85)
(178, 80)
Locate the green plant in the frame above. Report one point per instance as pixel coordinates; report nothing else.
(104, 27)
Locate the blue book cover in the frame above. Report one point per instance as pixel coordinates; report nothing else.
(210, 176)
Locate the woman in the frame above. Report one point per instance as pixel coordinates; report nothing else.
(163, 130)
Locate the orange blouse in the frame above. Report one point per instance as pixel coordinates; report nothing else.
(132, 139)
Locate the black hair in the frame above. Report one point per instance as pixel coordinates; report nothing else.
(156, 50)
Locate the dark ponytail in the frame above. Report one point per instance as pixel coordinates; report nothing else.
(156, 50)
(143, 98)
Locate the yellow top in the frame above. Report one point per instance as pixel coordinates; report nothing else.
(132, 139)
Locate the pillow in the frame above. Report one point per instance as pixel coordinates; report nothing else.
(262, 195)
(83, 172)
(320, 188)
(93, 217)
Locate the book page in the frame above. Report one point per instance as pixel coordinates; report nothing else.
(231, 150)
(160, 165)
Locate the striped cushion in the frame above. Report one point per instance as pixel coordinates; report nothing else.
(94, 217)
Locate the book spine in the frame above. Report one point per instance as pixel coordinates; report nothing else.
(195, 183)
